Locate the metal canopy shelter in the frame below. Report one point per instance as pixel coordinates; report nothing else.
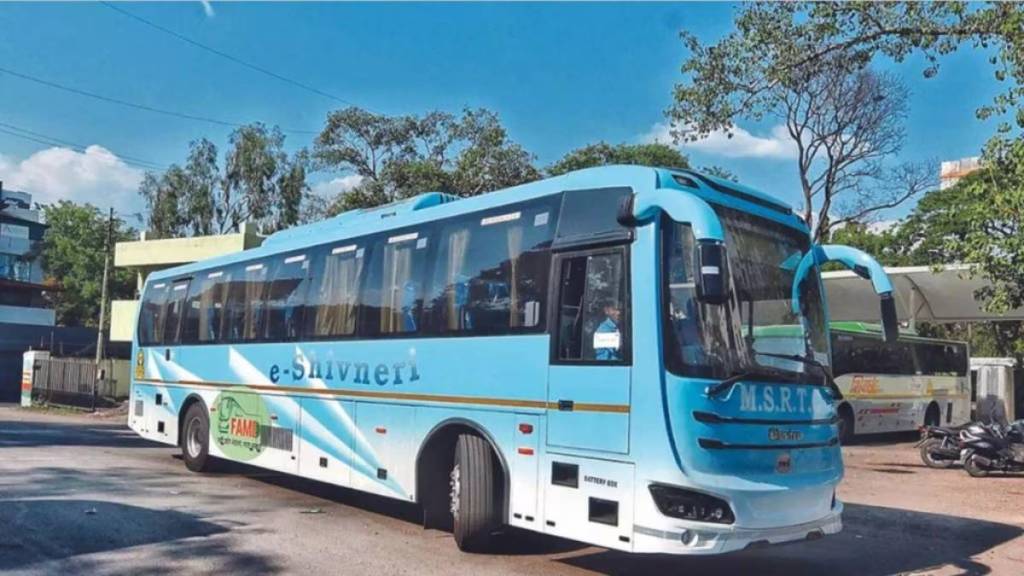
(922, 294)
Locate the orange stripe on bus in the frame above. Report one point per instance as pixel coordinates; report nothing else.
(475, 400)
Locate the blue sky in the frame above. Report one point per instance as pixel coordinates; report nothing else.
(560, 76)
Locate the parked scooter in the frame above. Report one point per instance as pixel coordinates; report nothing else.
(940, 445)
(986, 449)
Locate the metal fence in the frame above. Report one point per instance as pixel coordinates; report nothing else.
(74, 382)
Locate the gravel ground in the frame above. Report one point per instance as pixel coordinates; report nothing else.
(84, 495)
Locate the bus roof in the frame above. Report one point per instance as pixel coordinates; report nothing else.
(436, 205)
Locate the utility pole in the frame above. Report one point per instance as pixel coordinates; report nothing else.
(103, 298)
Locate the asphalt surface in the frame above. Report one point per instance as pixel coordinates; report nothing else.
(84, 495)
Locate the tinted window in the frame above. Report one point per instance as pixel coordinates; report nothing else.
(866, 355)
(392, 297)
(285, 299)
(204, 308)
(334, 297)
(174, 310)
(490, 272)
(589, 215)
(941, 359)
(591, 308)
(150, 328)
(245, 309)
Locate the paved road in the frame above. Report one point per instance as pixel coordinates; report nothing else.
(81, 495)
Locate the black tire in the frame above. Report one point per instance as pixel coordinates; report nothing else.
(972, 466)
(195, 439)
(932, 417)
(929, 460)
(475, 496)
(846, 425)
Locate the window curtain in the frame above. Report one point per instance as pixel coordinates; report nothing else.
(222, 316)
(458, 283)
(207, 312)
(255, 290)
(515, 248)
(396, 310)
(336, 313)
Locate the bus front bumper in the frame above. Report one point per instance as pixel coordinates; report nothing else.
(703, 538)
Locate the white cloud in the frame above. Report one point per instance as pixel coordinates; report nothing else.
(332, 188)
(742, 144)
(208, 8)
(96, 176)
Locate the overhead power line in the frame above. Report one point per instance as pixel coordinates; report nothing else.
(135, 105)
(227, 56)
(41, 138)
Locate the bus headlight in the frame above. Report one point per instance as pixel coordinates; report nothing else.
(689, 505)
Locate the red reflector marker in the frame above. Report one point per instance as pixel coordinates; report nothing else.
(526, 428)
(526, 451)
(380, 430)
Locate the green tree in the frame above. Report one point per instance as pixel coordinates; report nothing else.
(791, 36)
(602, 154)
(260, 183)
(72, 257)
(843, 120)
(991, 206)
(401, 156)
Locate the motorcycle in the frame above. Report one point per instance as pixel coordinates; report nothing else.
(986, 449)
(940, 445)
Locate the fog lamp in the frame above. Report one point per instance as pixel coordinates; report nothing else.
(689, 505)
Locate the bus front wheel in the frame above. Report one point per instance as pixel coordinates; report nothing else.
(195, 438)
(474, 496)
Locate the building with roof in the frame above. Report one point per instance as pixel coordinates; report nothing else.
(21, 269)
(951, 171)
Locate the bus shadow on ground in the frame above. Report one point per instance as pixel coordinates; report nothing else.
(874, 541)
(47, 531)
(513, 542)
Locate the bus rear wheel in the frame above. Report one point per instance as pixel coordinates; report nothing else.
(195, 438)
(474, 495)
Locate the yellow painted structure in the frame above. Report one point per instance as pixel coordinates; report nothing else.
(146, 256)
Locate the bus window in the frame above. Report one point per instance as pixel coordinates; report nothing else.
(174, 309)
(490, 275)
(592, 307)
(244, 307)
(285, 299)
(941, 358)
(333, 299)
(255, 289)
(868, 355)
(393, 293)
(150, 327)
(204, 308)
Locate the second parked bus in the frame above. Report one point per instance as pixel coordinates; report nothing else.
(898, 386)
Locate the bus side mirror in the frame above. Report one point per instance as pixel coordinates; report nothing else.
(890, 322)
(711, 273)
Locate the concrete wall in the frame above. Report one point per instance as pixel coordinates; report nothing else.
(122, 319)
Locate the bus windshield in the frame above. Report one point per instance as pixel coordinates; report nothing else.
(721, 341)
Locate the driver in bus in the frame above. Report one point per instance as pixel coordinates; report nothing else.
(607, 338)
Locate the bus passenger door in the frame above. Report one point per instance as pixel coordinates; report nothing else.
(589, 375)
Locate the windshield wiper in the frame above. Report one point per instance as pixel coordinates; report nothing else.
(719, 388)
(807, 360)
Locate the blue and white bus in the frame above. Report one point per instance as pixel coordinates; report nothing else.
(576, 356)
